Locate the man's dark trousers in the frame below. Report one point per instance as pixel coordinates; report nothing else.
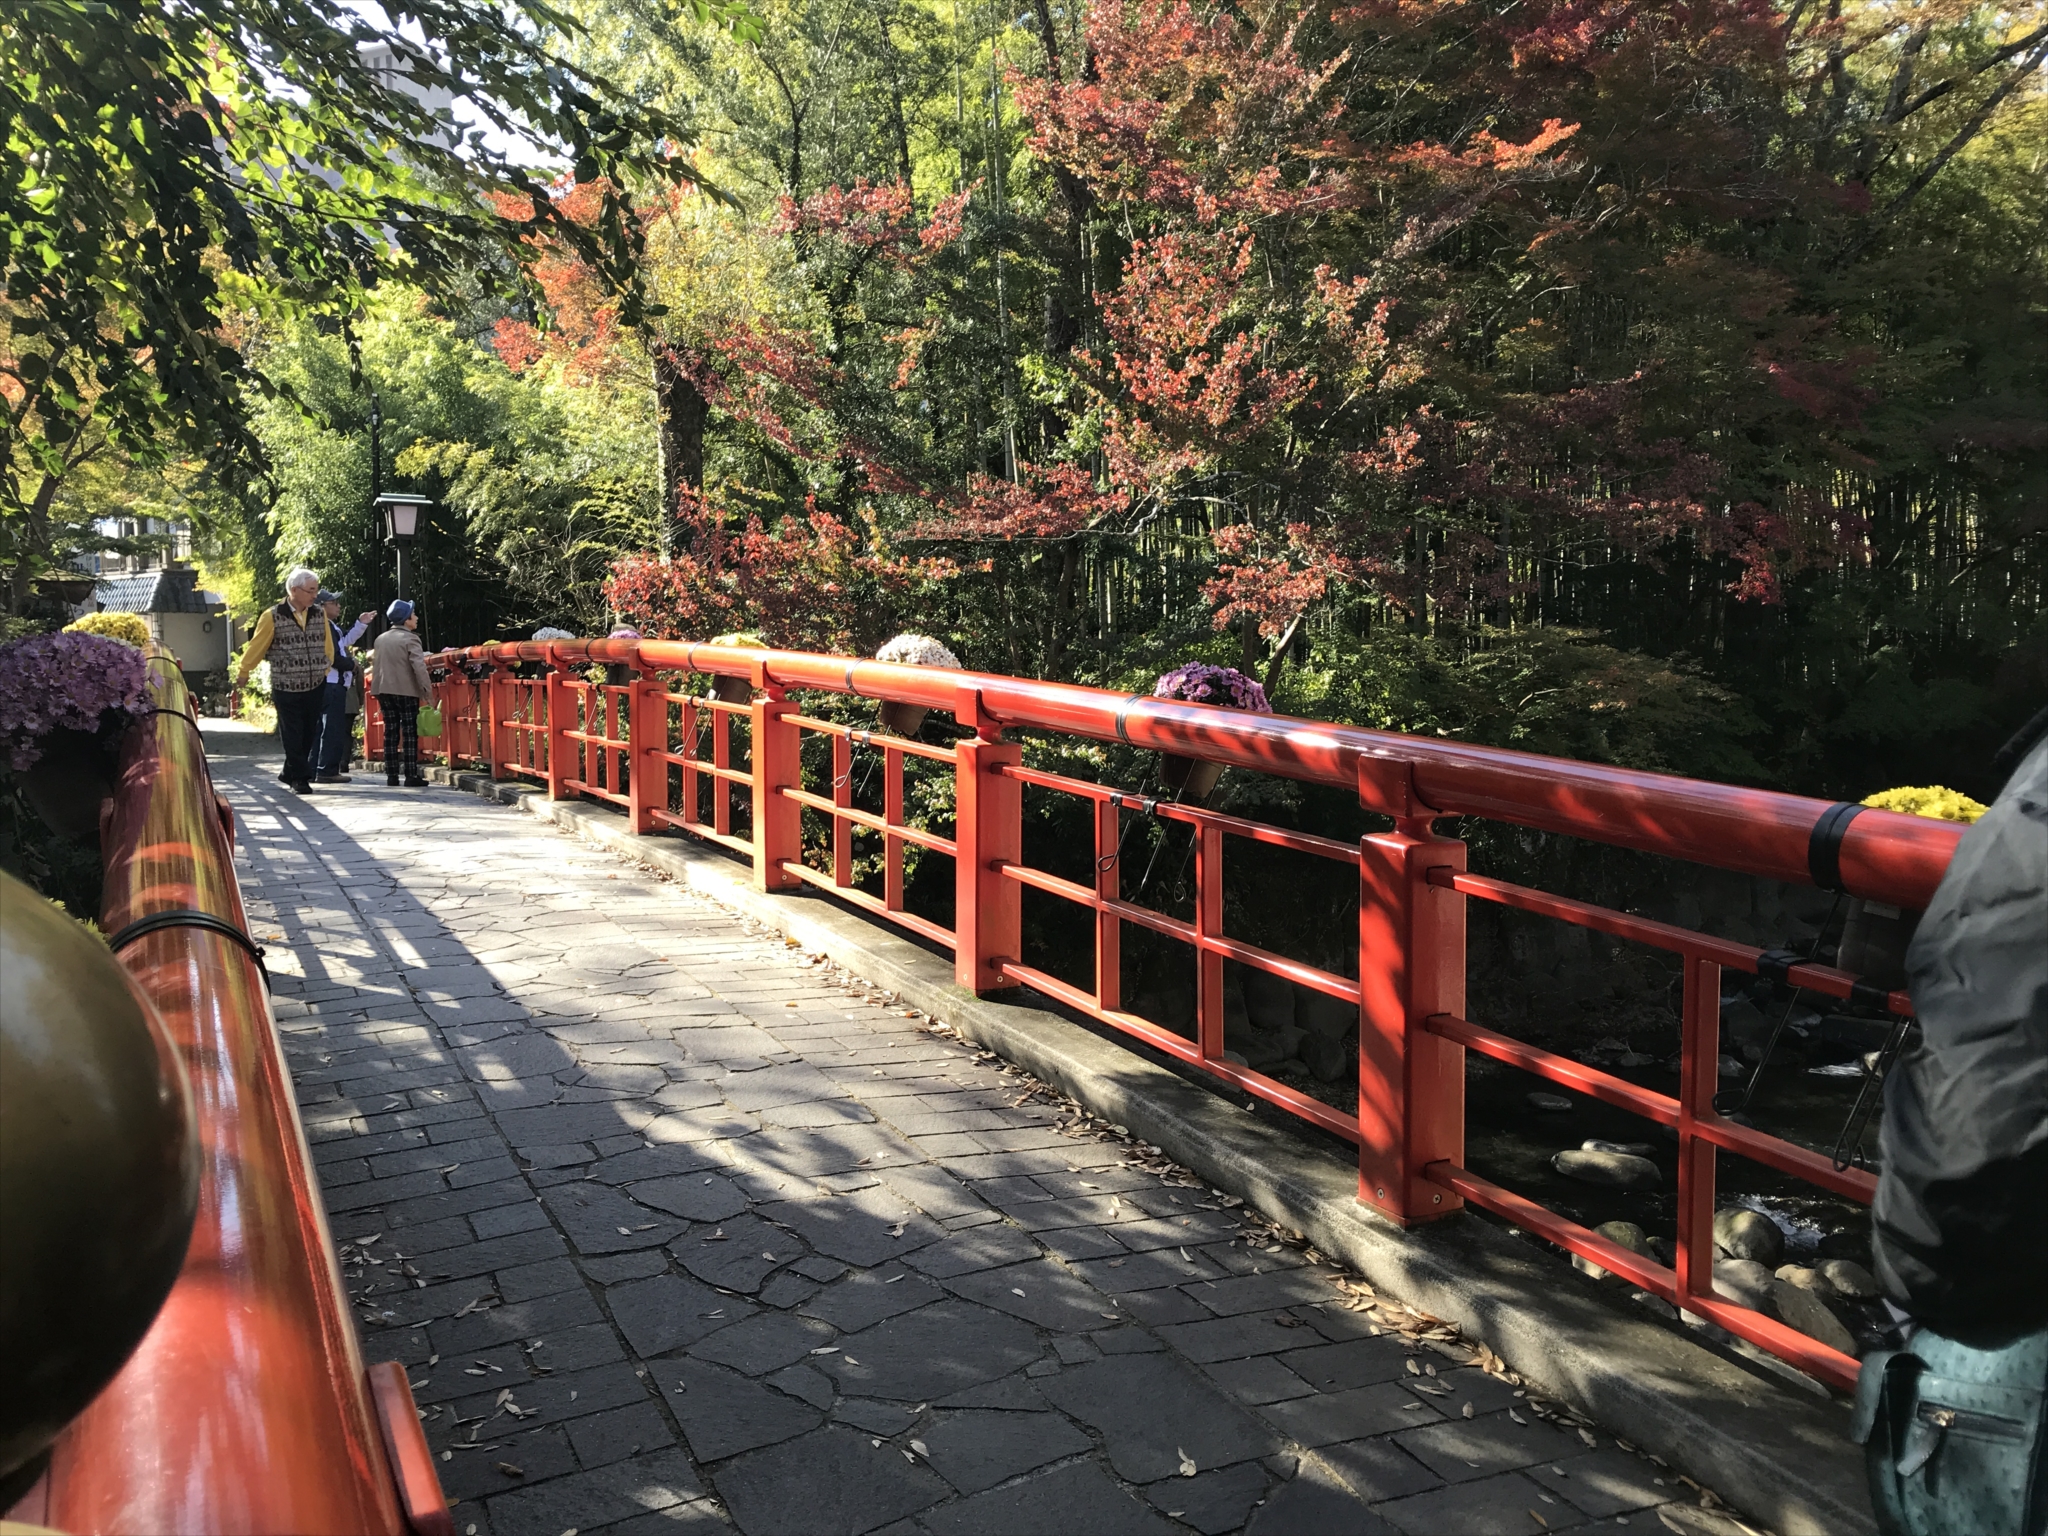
(334, 727)
(298, 729)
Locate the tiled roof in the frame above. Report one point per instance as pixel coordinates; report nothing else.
(171, 590)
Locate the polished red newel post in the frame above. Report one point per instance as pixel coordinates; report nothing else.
(647, 773)
(989, 832)
(1411, 965)
(777, 755)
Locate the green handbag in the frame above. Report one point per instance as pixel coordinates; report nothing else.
(1954, 1436)
(430, 719)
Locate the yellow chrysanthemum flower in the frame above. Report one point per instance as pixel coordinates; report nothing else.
(1930, 800)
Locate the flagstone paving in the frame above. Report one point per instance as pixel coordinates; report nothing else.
(678, 1229)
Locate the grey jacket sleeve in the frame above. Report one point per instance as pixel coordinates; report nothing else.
(1961, 1219)
(417, 655)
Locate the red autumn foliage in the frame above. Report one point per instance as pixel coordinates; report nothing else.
(1052, 501)
(811, 582)
(879, 220)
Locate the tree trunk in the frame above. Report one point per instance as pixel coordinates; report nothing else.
(1063, 608)
(680, 410)
(36, 551)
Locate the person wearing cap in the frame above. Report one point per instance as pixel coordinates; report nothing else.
(294, 636)
(337, 723)
(399, 674)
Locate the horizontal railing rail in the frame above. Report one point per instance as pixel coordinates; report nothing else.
(639, 741)
(246, 1408)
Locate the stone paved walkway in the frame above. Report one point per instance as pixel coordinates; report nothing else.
(676, 1227)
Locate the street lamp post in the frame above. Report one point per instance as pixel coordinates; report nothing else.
(399, 515)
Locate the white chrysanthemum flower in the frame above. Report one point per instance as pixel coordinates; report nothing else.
(546, 632)
(917, 651)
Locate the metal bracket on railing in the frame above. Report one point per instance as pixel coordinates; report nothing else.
(1824, 844)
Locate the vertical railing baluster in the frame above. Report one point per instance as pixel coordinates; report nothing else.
(1699, 1077)
(1109, 874)
(721, 757)
(373, 730)
(560, 709)
(692, 801)
(1209, 1004)
(842, 799)
(892, 815)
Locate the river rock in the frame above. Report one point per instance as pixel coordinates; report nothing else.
(1650, 1301)
(1744, 1023)
(1746, 1283)
(1263, 1048)
(1268, 999)
(1324, 1016)
(1324, 1056)
(1804, 1310)
(1850, 1278)
(1847, 1243)
(1551, 1103)
(1623, 1234)
(1631, 1148)
(1745, 1234)
(1613, 1170)
(1807, 1280)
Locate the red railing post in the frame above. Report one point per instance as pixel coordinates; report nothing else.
(647, 775)
(989, 833)
(1109, 875)
(373, 730)
(1411, 964)
(492, 712)
(1209, 997)
(777, 756)
(1699, 1067)
(561, 750)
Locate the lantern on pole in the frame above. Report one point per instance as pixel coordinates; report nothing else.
(399, 516)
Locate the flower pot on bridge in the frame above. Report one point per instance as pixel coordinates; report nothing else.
(903, 719)
(1193, 779)
(911, 651)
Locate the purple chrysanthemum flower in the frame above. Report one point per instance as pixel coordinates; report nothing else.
(63, 682)
(1200, 683)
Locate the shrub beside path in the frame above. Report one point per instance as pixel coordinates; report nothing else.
(678, 1228)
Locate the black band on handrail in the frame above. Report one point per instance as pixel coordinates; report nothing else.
(1124, 709)
(1824, 843)
(189, 917)
(1775, 965)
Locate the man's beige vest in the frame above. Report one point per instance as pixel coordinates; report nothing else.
(297, 657)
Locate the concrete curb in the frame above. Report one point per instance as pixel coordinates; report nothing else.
(1778, 1454)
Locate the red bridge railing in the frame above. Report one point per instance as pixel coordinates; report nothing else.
(246, 1410)
(661, 754)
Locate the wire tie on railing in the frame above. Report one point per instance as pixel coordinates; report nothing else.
(189, 917)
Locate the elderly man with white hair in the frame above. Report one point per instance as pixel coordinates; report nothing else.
(296, 639)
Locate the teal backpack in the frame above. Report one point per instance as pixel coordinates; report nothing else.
(1953, 1437)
